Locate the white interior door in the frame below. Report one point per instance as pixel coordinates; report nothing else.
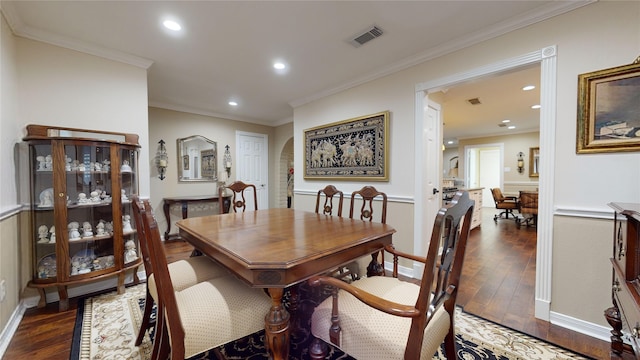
(252, 165)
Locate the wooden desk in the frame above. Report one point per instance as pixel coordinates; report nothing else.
(184, 202)
(278, 248)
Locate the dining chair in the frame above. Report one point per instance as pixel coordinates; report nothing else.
(382, 317)
(202, 316)
(366, 196)
(528, 208)
(184, 273)
(505, 203)
(239, 201)
(328, 193)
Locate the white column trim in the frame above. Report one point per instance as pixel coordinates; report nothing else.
(544, 264)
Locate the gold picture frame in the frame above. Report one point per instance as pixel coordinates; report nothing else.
(353, 149)
(534, 162)
(609, 110)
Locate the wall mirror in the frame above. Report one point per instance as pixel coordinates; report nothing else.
(197, 159)
(534, 161)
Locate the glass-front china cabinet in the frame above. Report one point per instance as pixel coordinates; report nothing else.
(82, 230)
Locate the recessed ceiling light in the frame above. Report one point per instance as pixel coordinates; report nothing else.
(279, 66)
(450, 142)
(511, 127)
(528, 87)
(537, 106)
(506, 121)
(172, 25)
(233, 103)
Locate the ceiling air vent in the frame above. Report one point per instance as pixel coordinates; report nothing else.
(474, 101)
(366, 36)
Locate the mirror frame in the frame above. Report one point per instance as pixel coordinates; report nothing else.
(205, 163)
(534, 161)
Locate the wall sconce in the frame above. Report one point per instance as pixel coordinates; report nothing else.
(520, 162)
(161, 159)
(227, 160)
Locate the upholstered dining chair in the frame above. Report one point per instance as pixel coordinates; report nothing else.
(382, 317)
(184, 273)
(528, 208)
(239, 201)
(328, 193)
(202, 316)
(505, 203)
(366, 197)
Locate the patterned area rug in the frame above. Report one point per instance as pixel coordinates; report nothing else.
(107, 325)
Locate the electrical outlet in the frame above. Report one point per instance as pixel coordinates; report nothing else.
(3, 290)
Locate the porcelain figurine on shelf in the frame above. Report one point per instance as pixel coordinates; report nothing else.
(126, 223)
(43, 233)
(82, 167)
(108, 227)
(95, 197)
(67, 163)
(87, 231)
(123, 195)
(130, 253)
(82, 198)
(97, 166)
(52, 237)
(48, 163)
(105, 165)
(46, 198)
(74, 234)
(125, 166)
(41, 163)
(100, 228)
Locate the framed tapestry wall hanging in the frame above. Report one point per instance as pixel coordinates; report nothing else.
(353, 149)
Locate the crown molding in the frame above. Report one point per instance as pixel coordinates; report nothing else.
(534, 16)
(27, 32)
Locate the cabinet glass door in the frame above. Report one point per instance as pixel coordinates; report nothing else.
(128, 188)
(44, 235)
(89, 213)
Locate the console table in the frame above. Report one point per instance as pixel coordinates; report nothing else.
(624, 315)
(184, 203)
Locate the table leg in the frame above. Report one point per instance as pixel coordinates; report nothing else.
(276, 324)
(374, 268)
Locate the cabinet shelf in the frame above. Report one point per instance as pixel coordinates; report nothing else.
(80, 184)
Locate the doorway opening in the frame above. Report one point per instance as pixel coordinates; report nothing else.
(546, 57)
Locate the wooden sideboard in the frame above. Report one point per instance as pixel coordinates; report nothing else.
(624, 315)
(184, 202)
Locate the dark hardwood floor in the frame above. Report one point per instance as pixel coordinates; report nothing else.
(498, 284)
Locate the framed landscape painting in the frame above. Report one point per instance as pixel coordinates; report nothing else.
(353, 149)
(609, 110)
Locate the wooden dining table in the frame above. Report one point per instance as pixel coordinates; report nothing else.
(280, 248)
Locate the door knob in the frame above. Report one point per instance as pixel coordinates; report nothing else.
(435, 191)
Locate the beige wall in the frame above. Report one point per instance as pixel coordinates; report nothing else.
(170, 125)
(512, 144)
(49, 85)
(612, 38)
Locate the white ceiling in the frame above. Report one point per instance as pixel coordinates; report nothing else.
(226, 48)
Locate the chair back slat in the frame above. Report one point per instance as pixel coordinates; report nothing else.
(443, 267)
(238, 200)
(368, 194)
(328, 193)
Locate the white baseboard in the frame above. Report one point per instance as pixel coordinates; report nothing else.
(581, 326)
(11, 328)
